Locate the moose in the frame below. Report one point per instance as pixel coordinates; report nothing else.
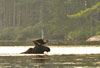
(39, 47)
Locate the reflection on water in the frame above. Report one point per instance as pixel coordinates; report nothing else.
(59, 57)
(54, 61)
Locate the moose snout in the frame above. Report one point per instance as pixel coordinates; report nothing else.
(48, 49)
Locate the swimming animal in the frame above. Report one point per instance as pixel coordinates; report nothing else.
(39, 47)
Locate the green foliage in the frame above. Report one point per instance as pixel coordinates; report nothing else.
(85, 12)
(21, 19)
(19, 33)
(8, 33)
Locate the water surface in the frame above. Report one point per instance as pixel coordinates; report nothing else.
(59, 57)
(54, 49)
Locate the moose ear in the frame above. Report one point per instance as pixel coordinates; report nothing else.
(33, 40)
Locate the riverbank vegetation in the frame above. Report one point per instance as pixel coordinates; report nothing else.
(70, 21)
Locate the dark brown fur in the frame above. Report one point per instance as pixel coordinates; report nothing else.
(38, 49)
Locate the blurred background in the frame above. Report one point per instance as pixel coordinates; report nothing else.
(60, 21)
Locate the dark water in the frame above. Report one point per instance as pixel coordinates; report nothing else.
(51, 61)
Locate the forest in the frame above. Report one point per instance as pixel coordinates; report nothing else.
(62, 21)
